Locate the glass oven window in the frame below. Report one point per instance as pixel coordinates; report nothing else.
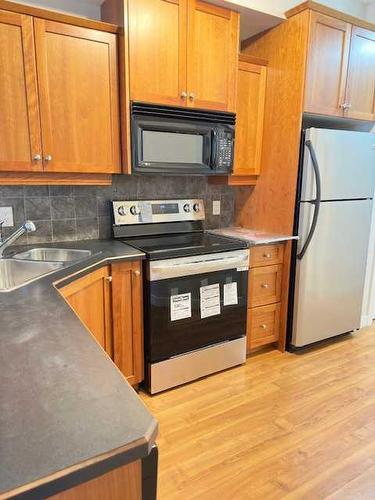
(171, 147)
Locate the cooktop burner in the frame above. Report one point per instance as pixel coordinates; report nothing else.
(182, 245)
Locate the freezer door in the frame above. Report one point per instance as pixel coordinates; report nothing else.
(330, 277)
(346, 162)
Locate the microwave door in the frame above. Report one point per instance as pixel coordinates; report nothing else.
(171, 147)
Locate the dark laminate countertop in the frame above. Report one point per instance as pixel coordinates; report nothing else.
(65, 409)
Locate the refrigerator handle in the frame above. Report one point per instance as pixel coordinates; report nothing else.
(315, 202)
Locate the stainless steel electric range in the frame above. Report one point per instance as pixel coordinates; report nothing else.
(195, 290)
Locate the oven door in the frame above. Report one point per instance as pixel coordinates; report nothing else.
(171, 146)
(194, 302)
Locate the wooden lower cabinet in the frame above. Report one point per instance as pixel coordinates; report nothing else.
(108, 301)
(264, 297)
(265, 285)
(123, 483)
(263, 325)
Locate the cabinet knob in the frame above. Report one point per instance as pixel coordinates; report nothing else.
(345, 106)
(37, 157)
(109, 279)
(48, 158)
(265, 285)
(191, 96)
(267, 255)
(137, 272)
(264, 327)
(183, 95)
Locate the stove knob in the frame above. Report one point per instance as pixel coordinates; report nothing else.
(121, 210)
(134, 210)
(196, 207)
(187, 207)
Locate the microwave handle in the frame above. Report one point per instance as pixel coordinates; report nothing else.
(214, 143)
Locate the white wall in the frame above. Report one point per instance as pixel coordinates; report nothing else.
(370, 13)
(89, 8)
(357, 8)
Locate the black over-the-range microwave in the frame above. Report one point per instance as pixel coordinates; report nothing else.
(170, 140)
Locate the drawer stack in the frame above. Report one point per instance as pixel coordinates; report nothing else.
(265, 277)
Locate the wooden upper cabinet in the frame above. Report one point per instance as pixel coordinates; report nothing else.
(183, 52)
(213, 38)
(251, 90)
(157, 48)
(20, 140)
(78, 93)
(360, 91)
(327, 65)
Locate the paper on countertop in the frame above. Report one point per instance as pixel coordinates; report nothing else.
(230, 294)
(210, 300)
(180, 306)
(252, 236)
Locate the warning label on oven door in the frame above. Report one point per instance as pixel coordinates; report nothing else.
(180, 306)
(210, 300)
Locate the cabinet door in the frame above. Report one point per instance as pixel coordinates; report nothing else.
(157, 51)
(78, 92)
(213, 37)
(20, 138)
(90, 299)
(360, 92)
(327, 65)
(128, 320)
(249, 122)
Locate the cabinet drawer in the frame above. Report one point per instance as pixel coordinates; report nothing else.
(264, 285)
(263, 324)
(266, 255)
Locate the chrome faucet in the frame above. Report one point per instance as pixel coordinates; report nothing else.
(27, 227)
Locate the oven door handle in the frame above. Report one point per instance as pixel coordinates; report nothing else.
(175, 268)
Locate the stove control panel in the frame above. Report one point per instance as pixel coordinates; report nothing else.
(154, 211)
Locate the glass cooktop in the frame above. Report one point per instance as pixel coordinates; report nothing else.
(181, 245)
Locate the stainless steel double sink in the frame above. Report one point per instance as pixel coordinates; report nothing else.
(25, 267)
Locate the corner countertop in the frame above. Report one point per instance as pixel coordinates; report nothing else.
(252, 236)
(66, 412)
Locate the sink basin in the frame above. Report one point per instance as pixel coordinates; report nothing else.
(15, 273)
(53, 255)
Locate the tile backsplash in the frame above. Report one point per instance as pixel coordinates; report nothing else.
(63, 213)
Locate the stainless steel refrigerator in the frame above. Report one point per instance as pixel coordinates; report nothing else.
(333, 218)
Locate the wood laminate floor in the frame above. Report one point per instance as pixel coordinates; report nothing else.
(281, 426)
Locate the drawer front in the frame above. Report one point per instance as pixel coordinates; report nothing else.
(263, 325)
(267, 255)
(264, 285)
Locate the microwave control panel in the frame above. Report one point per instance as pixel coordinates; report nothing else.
(224, 149)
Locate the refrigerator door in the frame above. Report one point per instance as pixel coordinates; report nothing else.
(346, 162)
(330, 278)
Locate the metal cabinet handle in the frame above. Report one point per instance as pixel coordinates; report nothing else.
(137, 272)
(264, 327)
(183, 95)
(191, 96)
(37, 157)
(48, 158)
(267, 255)
(109, 279)
(265, 285)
